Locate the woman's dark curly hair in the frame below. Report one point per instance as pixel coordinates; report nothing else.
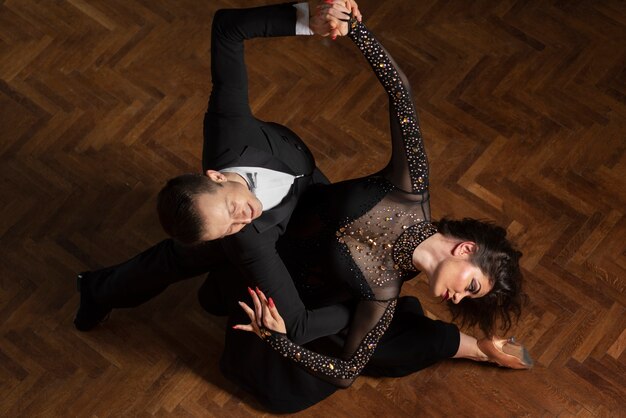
(497, 258)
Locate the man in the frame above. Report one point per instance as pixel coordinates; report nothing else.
(234, 215)
(227, 221)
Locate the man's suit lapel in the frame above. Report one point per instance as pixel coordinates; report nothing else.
(275, 215)
(285, 208)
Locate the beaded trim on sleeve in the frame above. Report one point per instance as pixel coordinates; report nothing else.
(330, 366)
(401, 100)
(408, 241)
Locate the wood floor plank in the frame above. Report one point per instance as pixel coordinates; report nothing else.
(523, 110)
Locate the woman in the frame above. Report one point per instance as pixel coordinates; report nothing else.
(361, 239)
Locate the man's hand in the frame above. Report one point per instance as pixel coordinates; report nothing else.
(331, 17)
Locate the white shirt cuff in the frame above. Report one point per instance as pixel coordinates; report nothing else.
(302, 24)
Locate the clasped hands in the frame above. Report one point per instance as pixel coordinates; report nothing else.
(263, 316)
(332, 17)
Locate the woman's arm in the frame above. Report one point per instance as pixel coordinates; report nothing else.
(370, 322)
(408, 167)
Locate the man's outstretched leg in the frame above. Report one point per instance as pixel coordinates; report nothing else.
(141, 278)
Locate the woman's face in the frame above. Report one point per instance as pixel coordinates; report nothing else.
(456, 277)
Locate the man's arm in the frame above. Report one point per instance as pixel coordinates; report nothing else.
(259, 262)
(231, 27)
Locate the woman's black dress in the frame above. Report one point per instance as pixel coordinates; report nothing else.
(352, 242)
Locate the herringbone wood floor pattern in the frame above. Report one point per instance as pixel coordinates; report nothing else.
(523, 109)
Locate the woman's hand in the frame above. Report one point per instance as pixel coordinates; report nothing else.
(354, 8)
(264, 314)
(332, 16)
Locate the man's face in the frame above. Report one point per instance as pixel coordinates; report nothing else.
(228, 210)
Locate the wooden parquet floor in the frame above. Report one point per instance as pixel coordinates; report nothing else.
(523, 109)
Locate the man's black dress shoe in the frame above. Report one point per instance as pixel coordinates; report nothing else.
(89, 313)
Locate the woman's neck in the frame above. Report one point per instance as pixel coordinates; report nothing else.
(432, 251)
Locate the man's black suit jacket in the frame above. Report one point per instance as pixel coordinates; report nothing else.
(234, 137)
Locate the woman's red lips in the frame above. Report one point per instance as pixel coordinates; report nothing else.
(445, 296)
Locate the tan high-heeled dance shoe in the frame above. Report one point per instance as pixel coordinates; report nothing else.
(506, 352)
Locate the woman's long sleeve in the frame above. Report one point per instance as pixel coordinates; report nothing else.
(408, 168)
(341, 372)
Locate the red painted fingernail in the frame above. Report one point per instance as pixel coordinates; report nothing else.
(328, 1)
(257, 289)
(271, 302)
(250, 290)
(333, 37)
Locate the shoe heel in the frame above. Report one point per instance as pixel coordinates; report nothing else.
(518, 351)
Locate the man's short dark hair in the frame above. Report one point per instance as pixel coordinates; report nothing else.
(176, 206)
